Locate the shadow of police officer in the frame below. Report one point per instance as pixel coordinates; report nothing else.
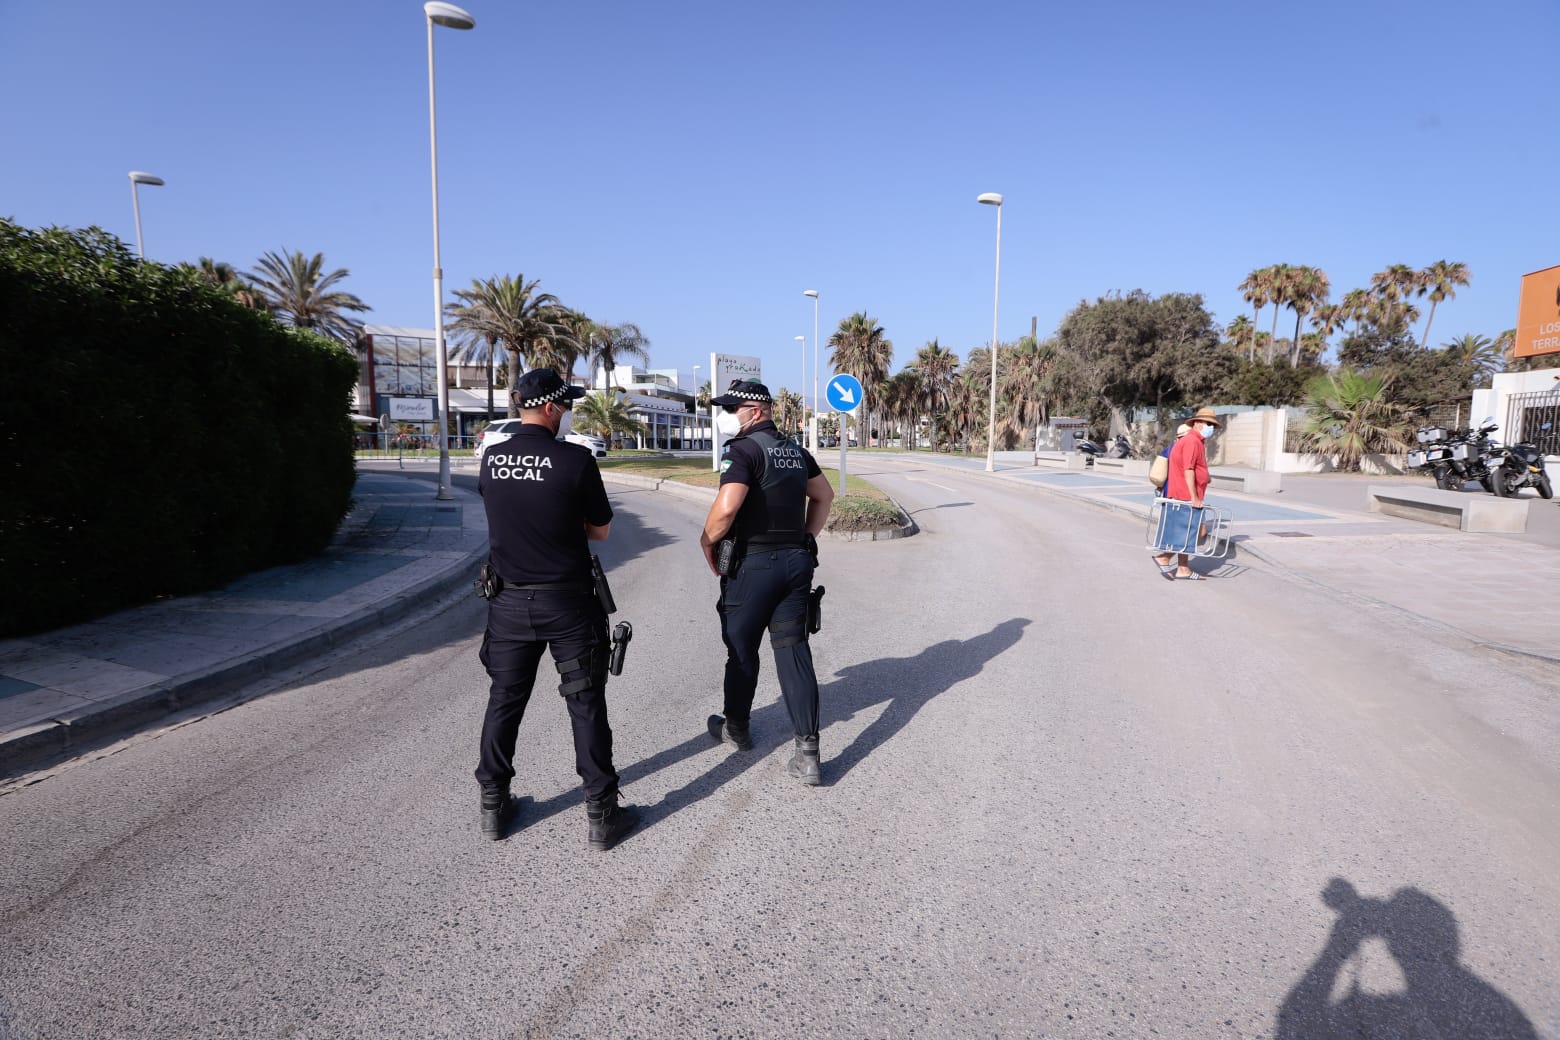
(761, 539)
(545, 502)
(1440, 999)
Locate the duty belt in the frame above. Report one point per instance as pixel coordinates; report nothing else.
(786, 538)
(555, 586)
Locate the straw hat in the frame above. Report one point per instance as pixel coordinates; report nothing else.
(1206, 415)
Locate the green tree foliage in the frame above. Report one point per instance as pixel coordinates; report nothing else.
(207, 440)
(861, 347)
(605, 414)
(1259, 383)
(1351, 415)
(935, 367)
(1134, 350)
(297, 290)
(1415, 377)
(512, 316)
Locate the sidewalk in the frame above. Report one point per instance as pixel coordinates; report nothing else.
(1495, 591)
(397, 551)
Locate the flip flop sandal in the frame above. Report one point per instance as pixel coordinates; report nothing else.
(1194, 576)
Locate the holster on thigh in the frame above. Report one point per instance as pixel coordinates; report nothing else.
(788, 633)
(581, 674)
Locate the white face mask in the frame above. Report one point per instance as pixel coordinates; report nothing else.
(1206, 431)
(728, 423)
(566, 423)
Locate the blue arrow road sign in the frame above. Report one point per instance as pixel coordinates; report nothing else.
(844, 393)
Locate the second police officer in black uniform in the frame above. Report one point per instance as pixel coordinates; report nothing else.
(545, 502)
(773, 501)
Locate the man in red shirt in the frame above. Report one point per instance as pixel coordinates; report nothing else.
(1188, 482)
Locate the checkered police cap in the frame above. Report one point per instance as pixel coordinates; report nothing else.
(541, 386)
(743, 391)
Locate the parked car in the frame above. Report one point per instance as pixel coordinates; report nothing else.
(597, 446)
(496, 433)
(503, 429)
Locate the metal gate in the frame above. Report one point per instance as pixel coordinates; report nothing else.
(1527, 416)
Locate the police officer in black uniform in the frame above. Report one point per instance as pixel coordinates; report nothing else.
(773, 501)
(545, 502)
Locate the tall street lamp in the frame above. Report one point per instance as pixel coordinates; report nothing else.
(991, 198)
(814, 294)
(696, 397)
(451, 17)
(137, 178)
(803, 341)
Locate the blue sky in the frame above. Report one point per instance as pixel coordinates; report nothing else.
(693, 166)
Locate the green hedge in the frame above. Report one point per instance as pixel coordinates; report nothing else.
(157, 438)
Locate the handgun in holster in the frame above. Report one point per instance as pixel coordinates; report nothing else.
(726, 557)
(488, 583)
(815, 610)
(622, 632)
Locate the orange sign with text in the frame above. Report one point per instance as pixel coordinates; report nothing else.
(1538, 314)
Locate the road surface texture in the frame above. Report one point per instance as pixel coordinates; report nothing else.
(1062, 797)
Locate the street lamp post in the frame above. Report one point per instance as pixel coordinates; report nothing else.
(814, 294)
(803, 341)
(451, 17)
(991, 198)
(696, 396)
(137, 178)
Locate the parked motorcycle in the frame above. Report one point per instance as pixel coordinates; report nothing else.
(1089, 450)
(1122, 449)
(1473, 454)
(1435, 457)
(1518, 466)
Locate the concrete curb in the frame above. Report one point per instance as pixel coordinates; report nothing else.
(705, 496)
(83, 727)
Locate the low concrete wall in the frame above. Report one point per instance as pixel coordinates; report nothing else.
(1125, 467)
(1251, 481)
(1061, 459)
(1455, 509)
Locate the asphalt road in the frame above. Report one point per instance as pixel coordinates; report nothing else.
(1062, 797)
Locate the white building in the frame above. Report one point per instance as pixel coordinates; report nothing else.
(1522, 403)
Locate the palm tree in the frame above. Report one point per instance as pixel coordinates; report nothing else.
(1308, 288)
(860, 347)
(612, 342)
(1026, 386)
(510, 314)
(1439, 282)
(1350, 417)
(1480, 353)
(1278, 279)
(296, 290)
(703, 396)
(1241, 333)
(225, 277)
(788, 411)
(935, 366)
(1396, 282)
(605, 414)
(1254, 290)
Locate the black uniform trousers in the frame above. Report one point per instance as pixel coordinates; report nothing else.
(521, 622)
(769, 591)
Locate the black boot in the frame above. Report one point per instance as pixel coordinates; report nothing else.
(804, 761)
(498, 811)
(728, 732)
(609, 821)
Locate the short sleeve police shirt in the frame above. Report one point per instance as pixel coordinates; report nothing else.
(539, 492)
(742, 461)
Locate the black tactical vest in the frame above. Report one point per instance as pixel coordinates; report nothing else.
(775, 511)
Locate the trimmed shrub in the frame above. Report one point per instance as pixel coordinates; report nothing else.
(157, 438)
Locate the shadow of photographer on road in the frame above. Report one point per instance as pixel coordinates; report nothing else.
(1434, 997)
